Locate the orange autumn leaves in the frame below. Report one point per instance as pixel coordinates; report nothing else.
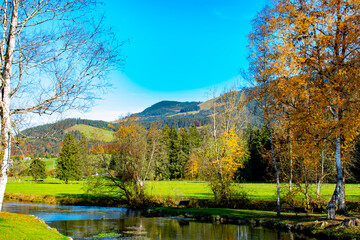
(305, 60)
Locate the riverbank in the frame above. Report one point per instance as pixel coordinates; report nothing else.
(310, 224)
(252, 208)
(20, 226)
(313, 225)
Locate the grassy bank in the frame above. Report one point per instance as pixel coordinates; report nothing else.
(260, 197)
(19, 226)
(315, 225)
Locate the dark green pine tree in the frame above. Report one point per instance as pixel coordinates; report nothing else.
(255, 169)
(68, 166)
(184, 151)
(86, 168)
(194, 138)
(37, 169)
(173, 153)
(162, 170)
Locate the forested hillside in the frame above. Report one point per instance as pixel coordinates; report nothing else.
(44, 140)
(168, 108)
(184, 114)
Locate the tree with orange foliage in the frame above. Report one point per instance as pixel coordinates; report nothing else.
(133, 160)
(313, 63)
(192, 166)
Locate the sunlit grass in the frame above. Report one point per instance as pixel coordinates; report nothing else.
(48, 187)
(172, 189)
(93, 132)
(255, 191)
(50, 162)
(19, 226)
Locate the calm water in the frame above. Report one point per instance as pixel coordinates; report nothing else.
(82, 222)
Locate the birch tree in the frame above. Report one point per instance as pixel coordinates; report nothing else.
(314, 49)
(262, 73)
(226, 150)
(54, 56)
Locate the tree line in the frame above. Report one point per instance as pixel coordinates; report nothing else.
(229, 149)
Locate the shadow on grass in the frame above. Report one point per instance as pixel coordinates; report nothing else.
(51, 182)
(244, 214)
(204, 196)
(84, 196)
(91, 200)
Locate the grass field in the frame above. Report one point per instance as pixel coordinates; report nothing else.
(172, 189)
(19, 226)
(93, 132)
(50, 162)
(256, 191)
(48, 187)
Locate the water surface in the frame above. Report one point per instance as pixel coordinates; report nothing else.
(83, 222)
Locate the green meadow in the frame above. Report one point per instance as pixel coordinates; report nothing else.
(255, 191)
(171, 189)
(93, 132)
(19, 226)
(50, 162)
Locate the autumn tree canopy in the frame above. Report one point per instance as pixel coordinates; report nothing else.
(312, 72)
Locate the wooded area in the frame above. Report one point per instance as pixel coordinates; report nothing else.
(304, 67)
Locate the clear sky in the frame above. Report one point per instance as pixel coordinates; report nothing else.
(176, 50)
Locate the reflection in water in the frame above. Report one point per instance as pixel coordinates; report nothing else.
(82, 222)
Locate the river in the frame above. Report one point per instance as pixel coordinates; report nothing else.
(84, 222)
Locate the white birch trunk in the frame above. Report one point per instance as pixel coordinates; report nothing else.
(278, 206)
(337, 198)
(5, 108)
(291, 169)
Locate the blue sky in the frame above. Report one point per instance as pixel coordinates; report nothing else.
(176, 50)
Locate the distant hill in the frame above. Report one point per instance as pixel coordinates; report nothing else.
(184, 114)
(172, 113)
(45, 139)
(168, 109)
(60, 126)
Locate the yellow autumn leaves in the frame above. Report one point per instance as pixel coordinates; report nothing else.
(231, 152)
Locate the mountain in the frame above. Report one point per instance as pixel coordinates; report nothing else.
(173, 113)
(168, 109)
(184, 114)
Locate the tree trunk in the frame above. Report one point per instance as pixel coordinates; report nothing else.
(318, 189)
(278, 207)
(321, 176)
(291, 169)
(5, 98)
(338, 192)
(307, 191)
